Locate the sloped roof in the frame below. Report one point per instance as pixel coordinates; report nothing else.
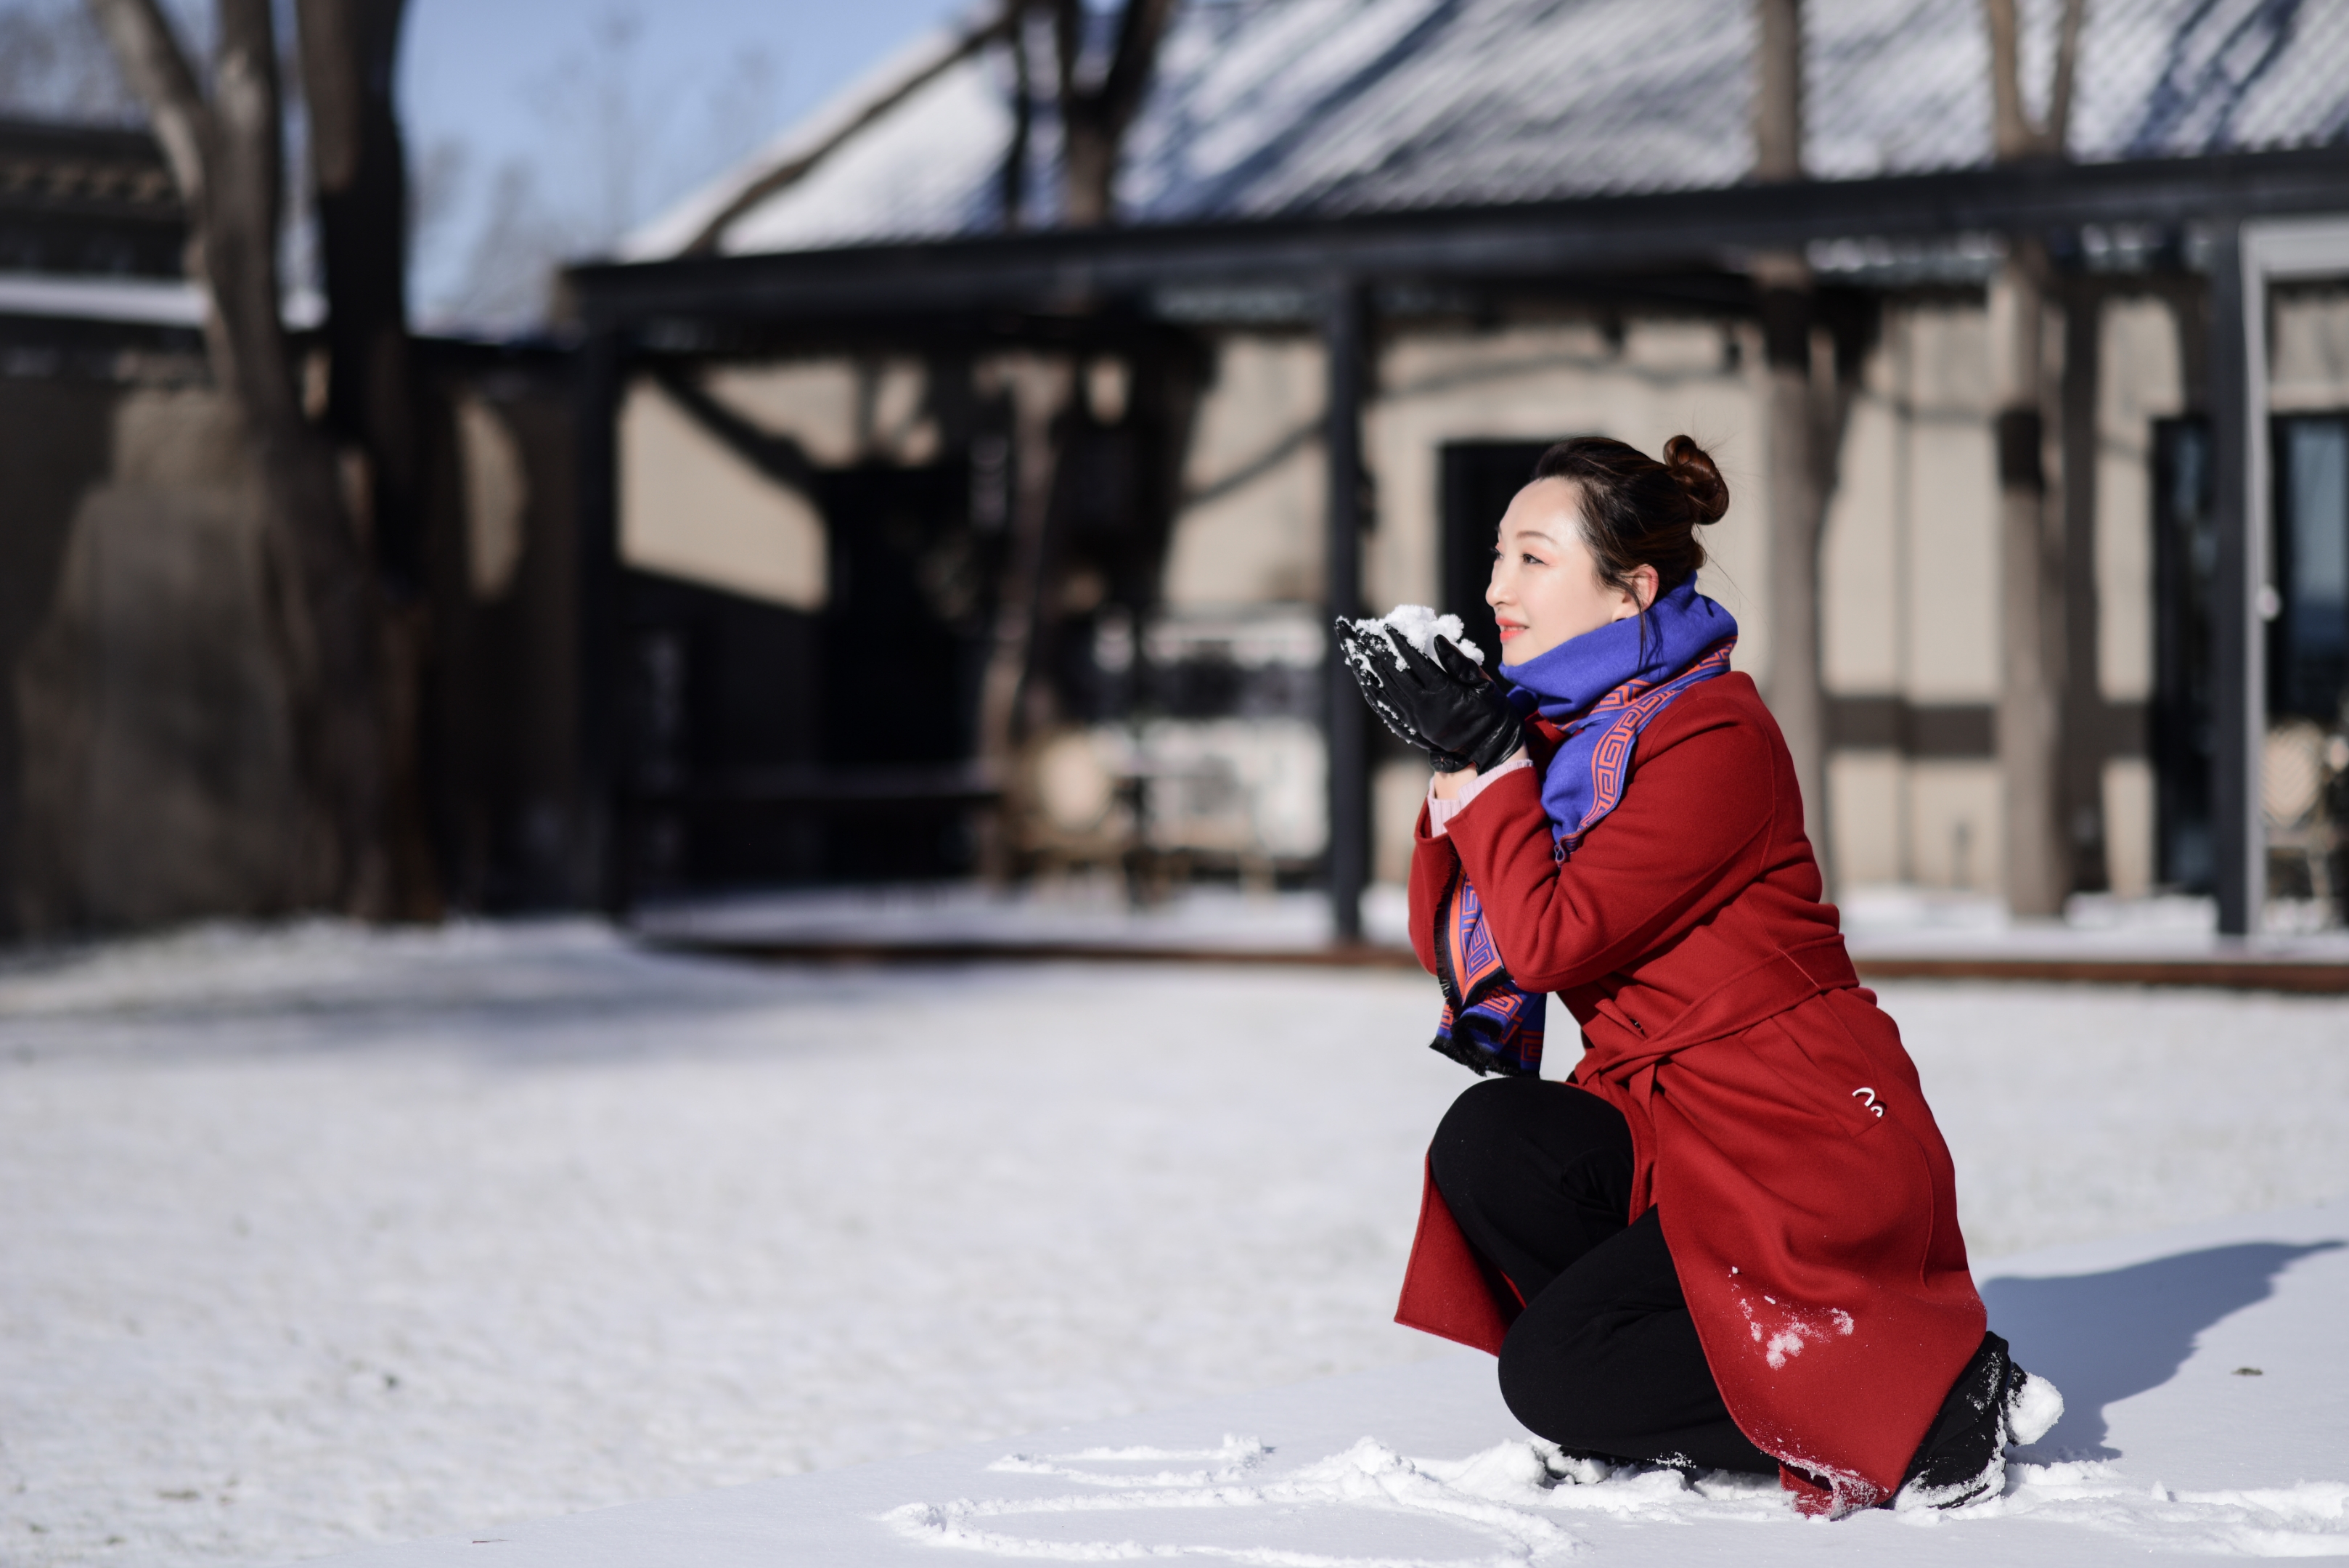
(1293, 108)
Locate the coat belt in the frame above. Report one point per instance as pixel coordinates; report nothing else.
(1786, 979)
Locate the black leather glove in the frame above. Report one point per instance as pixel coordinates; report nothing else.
(1446, 706)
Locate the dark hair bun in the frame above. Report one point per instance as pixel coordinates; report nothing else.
(1699, 479)
(1637, 511)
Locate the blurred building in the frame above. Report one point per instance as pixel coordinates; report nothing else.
(876, 526)
(1443, 234)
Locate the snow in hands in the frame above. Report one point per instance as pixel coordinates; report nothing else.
(1420, 626)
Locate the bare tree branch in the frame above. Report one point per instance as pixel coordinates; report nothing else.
(247, 169)
(2011, 135)
(330, 88)
(1093, 118)
(2015, 134)
(227, 153)
(1778, 91)
(2057, 132)
(1804, 393)
(1140, 28)
(1023, 117)
(2034, 640)
(793, 169)
(158, 71)
(1069, 43)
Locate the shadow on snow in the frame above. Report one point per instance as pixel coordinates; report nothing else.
(2101, 1338)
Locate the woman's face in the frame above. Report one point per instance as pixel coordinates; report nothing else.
(1545, 587)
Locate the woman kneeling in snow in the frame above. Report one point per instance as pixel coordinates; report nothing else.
(1730, 1240)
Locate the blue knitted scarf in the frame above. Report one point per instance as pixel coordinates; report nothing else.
(1601, 688)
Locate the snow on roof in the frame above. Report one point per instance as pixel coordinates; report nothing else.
(931, 117)
(1266, 108)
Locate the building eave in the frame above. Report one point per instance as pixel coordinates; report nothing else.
(1076, 272)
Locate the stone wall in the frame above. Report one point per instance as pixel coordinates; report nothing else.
(154, 768)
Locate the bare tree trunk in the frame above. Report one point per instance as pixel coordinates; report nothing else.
(359, 170)
(2033, 636)
(2084, 736)
(226, 157)
(1797, 690)
(1778, 89)
(1040, 390)
(1798, 487)
(1095, 116)
(1023, 120)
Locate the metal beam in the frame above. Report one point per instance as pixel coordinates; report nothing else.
(2236, 701)
(1346, 337)
(597, 839)
(1080, 271)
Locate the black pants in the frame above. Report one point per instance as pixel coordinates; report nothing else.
(1605, 1358)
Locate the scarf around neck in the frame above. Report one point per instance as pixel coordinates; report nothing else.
(1604, 686)
(1601, 688)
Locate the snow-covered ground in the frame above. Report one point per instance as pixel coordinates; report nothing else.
(2204, 1366)
(313, 1237)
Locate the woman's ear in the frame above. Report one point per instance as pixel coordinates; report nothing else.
(1638, 596)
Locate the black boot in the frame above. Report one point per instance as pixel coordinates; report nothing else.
(1964, 1456)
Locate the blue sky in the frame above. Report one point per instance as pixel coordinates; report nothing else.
(567, 119)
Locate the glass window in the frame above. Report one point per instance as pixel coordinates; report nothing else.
(2308, 652)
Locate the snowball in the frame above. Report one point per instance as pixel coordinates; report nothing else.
(2033, 1411)
(1421, 626)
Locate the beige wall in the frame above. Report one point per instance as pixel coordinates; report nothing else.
(2309, 351)
(1949, 504)
(1912, 576)
(1250, 529)
(1871, 816)
(840, 410)
(2142, 379)
(1955, 822)
(1909, 597)
(692, 508)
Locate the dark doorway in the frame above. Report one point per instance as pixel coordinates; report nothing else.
(1478, 478)
(906, 626)
(2185, 571)
(769, 746)
(718, 688)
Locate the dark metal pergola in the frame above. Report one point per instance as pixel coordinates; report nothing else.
(1039, 284)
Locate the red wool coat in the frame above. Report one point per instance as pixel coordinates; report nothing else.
(1777, 1122)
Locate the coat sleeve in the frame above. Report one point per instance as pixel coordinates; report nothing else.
(1679, 845)
(1431, 863)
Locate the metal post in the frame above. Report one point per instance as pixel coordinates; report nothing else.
(2237, 703)
(1345, 332)
(2085, 742)
(597, 846)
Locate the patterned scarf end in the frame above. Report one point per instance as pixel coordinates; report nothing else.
(1512, 1051)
